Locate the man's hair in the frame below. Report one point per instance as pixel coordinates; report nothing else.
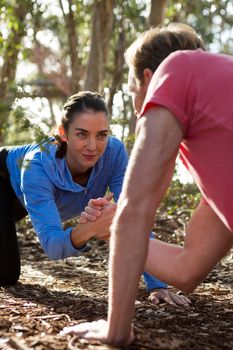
(155, 44)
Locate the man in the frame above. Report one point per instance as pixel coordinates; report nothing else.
(184, 103)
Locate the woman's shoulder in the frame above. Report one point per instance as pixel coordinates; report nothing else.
(115, 143)
(40, 150)
(115, 150)
(36, 157)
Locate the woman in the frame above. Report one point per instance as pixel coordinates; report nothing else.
(53, 181)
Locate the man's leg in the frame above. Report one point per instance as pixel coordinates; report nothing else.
(207, 241)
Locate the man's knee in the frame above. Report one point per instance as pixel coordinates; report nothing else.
(187, 283)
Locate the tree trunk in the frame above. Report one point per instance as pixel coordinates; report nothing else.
(157, 12)
(117, 72)
(13, 46)
(73, 47)
(102, 22)
(10, 59)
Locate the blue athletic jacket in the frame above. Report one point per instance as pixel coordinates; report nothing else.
(44, 185)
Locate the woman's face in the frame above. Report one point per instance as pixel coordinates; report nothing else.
(86, 140)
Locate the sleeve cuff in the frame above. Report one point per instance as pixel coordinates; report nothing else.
(72, 250)
(152, 282)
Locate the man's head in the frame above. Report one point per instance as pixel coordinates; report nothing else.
(150, 49)
(155, 44)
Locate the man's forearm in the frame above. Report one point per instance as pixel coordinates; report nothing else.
(166, 256)
(124, 273)
(147, 177)
(207, 240)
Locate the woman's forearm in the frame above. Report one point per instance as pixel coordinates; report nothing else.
(80, 235)
(98, 229)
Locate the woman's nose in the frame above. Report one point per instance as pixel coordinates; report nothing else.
(91, 143)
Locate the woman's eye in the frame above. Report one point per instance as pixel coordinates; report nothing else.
(82, 135)
(102, 136)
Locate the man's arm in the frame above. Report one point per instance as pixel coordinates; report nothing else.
(207, 240)
(147, 178)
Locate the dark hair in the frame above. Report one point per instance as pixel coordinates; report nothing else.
(81, 102)
(155, 44)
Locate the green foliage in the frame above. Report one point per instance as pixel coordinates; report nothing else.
(129, 142)
(180, 200)
(23, 128)
(213, 19)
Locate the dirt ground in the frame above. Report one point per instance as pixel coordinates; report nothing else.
(51, 295)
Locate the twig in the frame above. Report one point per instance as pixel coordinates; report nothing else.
(55, 317)
(70, 344)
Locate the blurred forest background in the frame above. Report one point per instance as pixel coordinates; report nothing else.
(50, 49)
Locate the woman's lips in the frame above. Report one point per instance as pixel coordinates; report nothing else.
(89, 157)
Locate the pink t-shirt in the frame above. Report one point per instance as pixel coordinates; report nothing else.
(197, 87)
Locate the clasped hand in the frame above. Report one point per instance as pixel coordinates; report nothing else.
(100, 213)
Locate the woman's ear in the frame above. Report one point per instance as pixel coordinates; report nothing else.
(62, 133)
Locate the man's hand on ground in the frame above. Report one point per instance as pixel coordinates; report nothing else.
(168, 297)
(96, 330)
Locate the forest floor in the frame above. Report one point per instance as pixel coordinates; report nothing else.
(51, 295)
